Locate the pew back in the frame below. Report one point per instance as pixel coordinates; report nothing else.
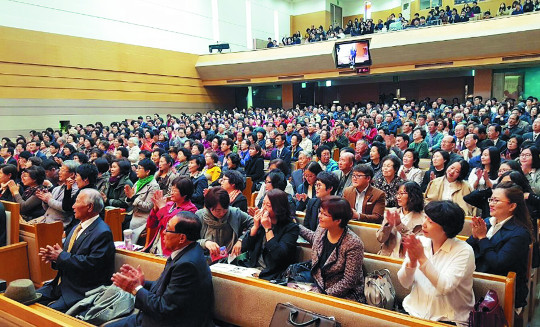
(38, 236)
(114, 218)
(13, 214)
(13, 313)
(14, 262)
(259, 298)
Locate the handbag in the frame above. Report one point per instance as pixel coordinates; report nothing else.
(487, 312)
(379, 290)
(287, 314)
(299, 272)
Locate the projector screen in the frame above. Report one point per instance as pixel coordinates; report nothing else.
(352, 54)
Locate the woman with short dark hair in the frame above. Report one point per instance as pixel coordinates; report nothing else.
(222, 224)
(163, 211)
(31, 206)
(271, 242)
(439, 268)
(389, 180)
(165, 175)
(233, 182)
(7, 173)
(140, 196)
(255, 165)
(409, 171)
(452, 187)
(200, 183)
(439, 161)
(337, 253)
(408, 219)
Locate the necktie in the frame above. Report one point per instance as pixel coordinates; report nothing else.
(278, 153)
(74, 237)
(535, 137)
(71, 242)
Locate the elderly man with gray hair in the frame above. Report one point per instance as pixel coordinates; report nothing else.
(52, 201)
(86, 260)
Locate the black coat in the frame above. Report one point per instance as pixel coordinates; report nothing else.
(278, 253)
(183, 295)
(255, 170)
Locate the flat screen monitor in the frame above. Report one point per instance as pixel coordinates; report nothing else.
(351, 54)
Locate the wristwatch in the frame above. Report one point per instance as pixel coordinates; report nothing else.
(136, 289)
(266, 230)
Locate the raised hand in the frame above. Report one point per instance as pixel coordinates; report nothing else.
(158, 200)
(130, 192)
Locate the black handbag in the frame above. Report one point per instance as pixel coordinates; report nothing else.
(299, 272)
(287, 314)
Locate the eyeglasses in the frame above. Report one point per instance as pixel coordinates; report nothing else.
(400, 194)
(495, 201)
(319, 185)
(525, 155)
(172, 231)
(356, 176)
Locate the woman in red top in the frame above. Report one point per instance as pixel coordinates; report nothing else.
(163, 211)
(354, 134)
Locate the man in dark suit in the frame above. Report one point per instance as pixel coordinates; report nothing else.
(366, 201)
(494, 131)
(281, 151)
(297, 176)
(183, 295)
(535, 134)
(7, 155)
(87, 259)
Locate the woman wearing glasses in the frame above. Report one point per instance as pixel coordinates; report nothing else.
(530, 163)
(408, 219)
(478, 198)
(325, 186)
(233, 182)
(337, 253)
(222, 225)
(501, 243)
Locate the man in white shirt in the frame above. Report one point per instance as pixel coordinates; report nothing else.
(439, 268)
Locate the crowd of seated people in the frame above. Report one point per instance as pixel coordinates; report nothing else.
(480, 157)
(436, 16)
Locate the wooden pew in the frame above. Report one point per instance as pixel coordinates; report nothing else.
(247, 190)
(14, 262)
(503, 285)
(259, 298)
(38, 236)
(13, 215)
(114, 218)
(335, 154)
(13, 256)
(13, 313)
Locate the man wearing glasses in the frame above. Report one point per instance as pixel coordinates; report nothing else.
(183, 294)
(366, 201)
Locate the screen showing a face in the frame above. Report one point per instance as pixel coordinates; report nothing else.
(352, 54)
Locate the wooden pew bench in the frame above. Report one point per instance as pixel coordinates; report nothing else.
(256, 299)
(38, 236)
(503, 285)
(13, 256)
(114, 218)
(14, 314)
